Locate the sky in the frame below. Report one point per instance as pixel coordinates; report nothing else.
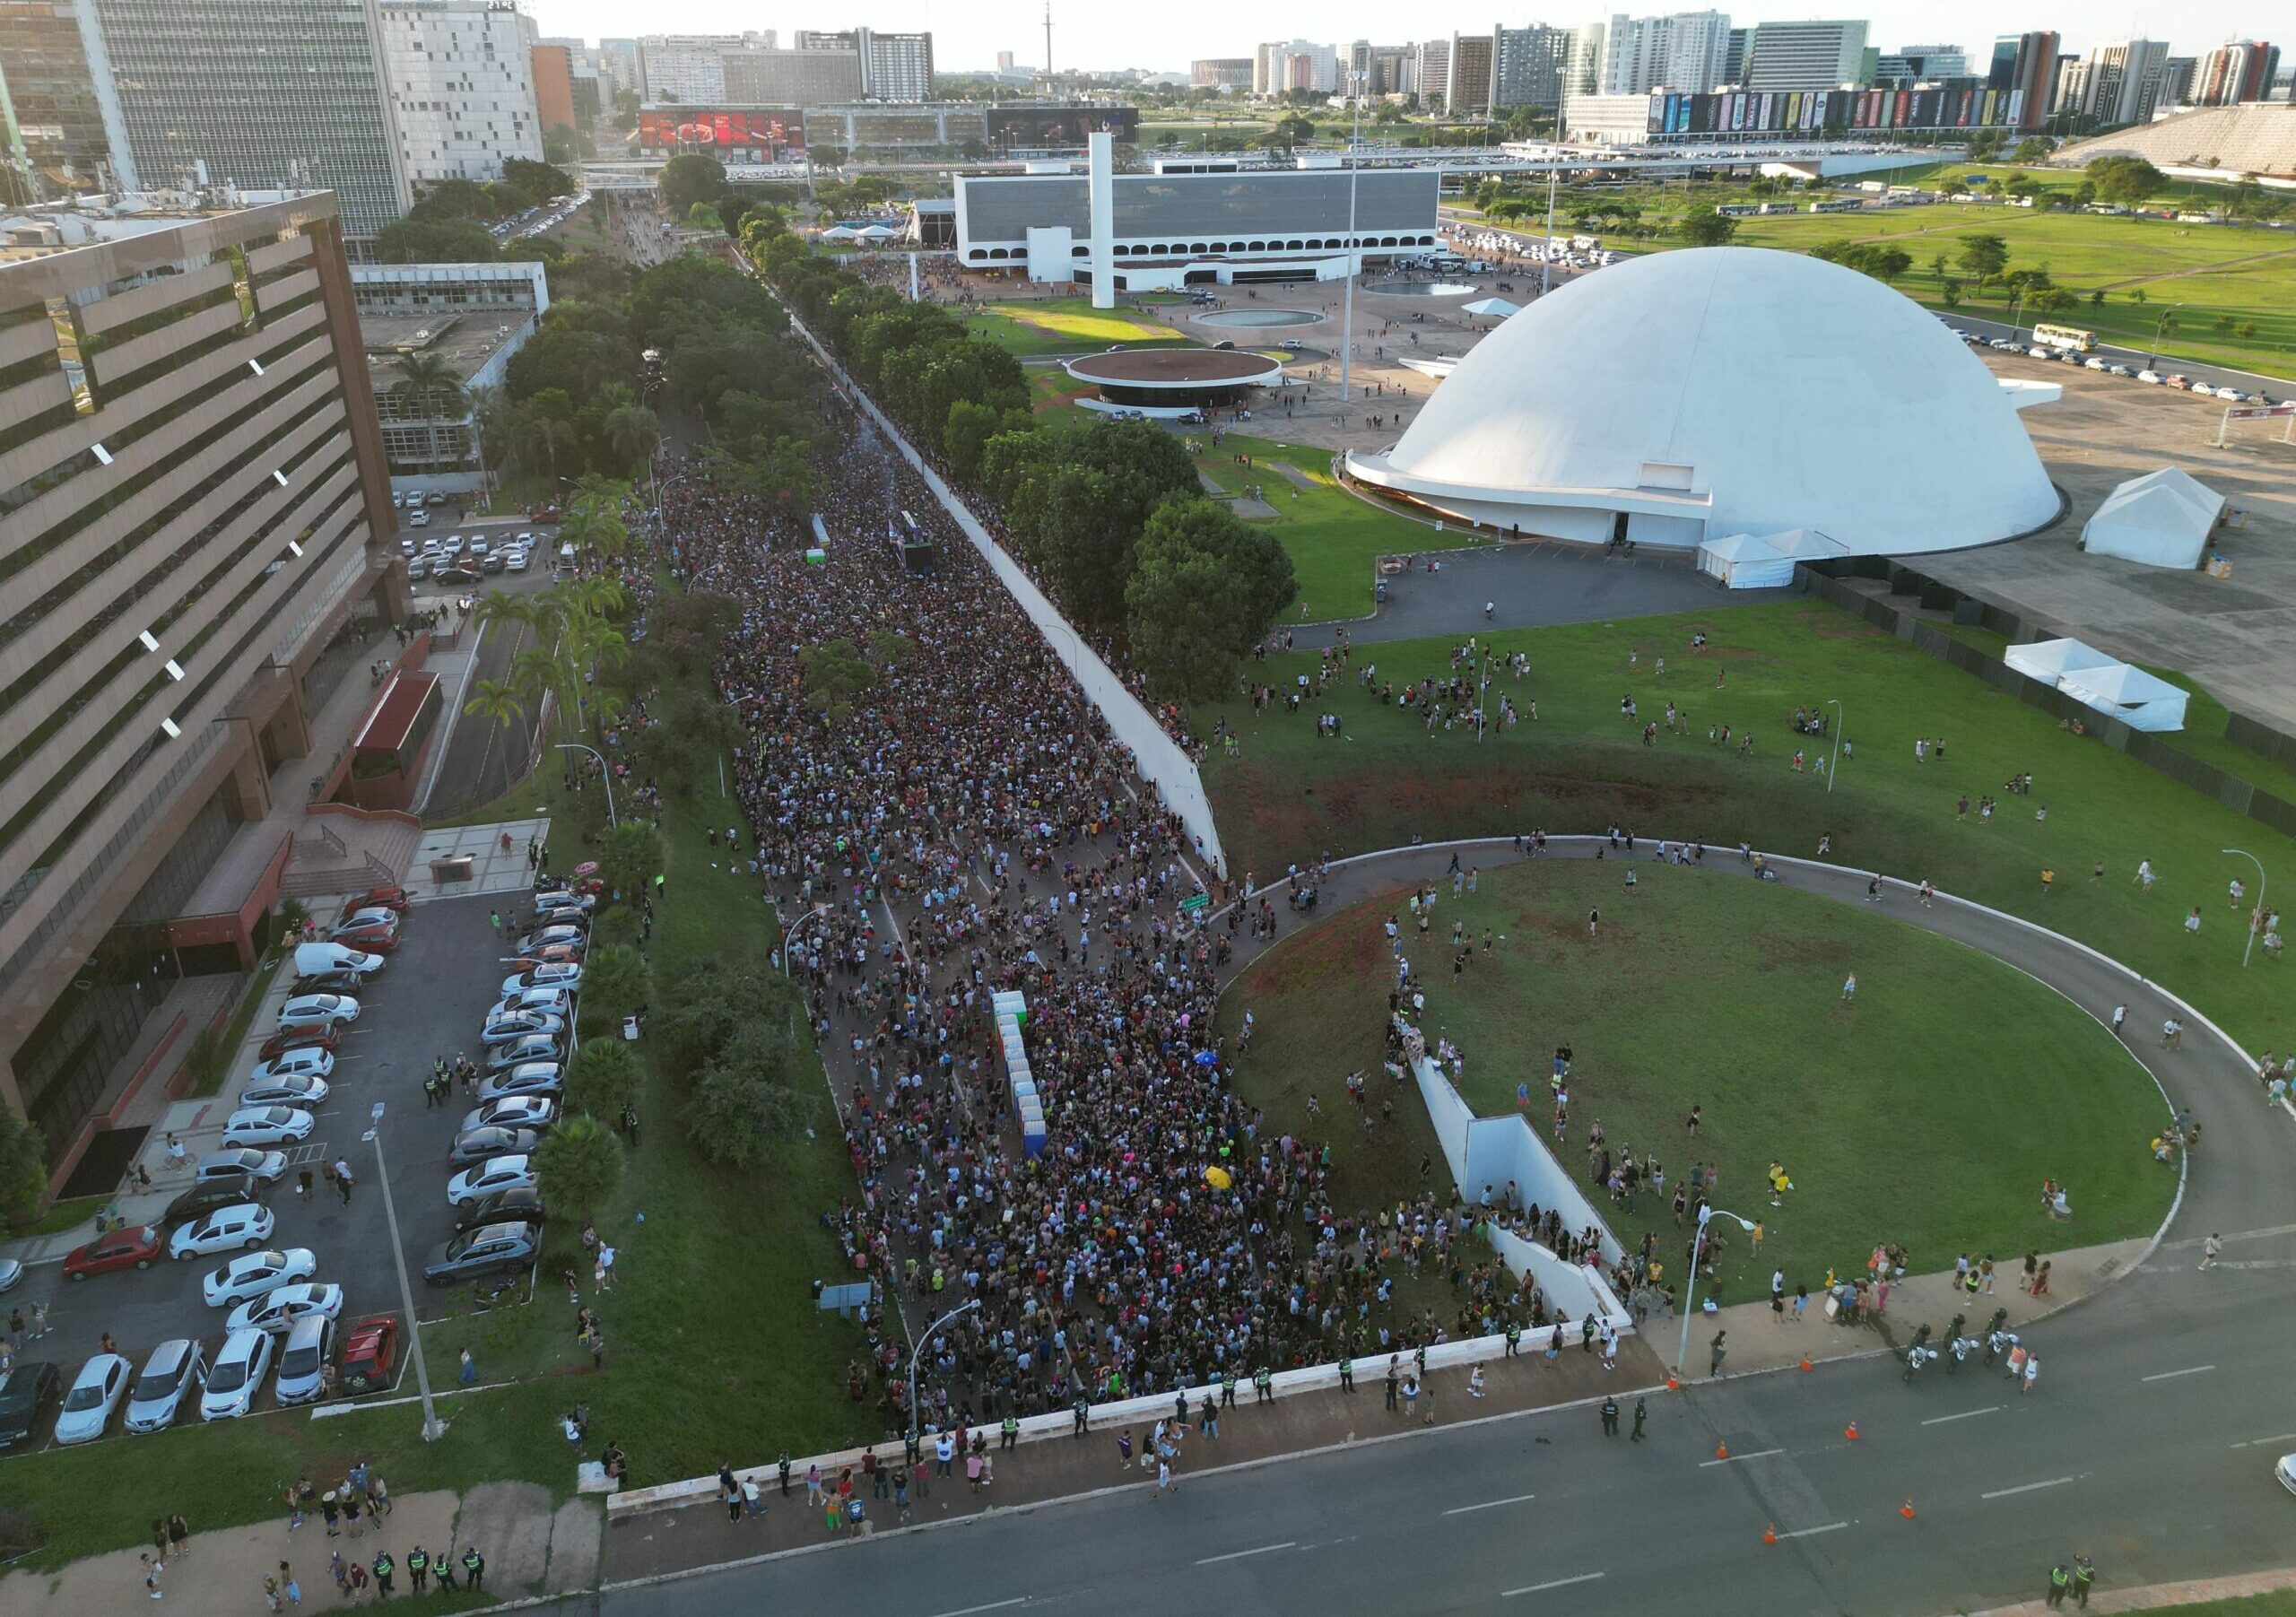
(1164, 38)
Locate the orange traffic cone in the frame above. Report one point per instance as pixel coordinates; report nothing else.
(1769, 1533)
(1906, 1511)
(1805, 1362)
(1851, 1431)
(1721, 1451)
(1672, 1384)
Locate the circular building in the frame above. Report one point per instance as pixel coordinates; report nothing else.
(1170, 380)
(1690, 395)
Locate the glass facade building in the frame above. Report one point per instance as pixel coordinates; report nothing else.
(54, 118)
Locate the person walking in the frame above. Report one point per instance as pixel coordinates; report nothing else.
(152, 1569)
(1716, 1353)
(1610, 1417)
(1393, 1381)
(418, 1568)
(289, 1587)
(473, 1568)
(1641, 1413)
(2083, 1575)
(2061, 1583)
(2209, 1249)
(386, 1568)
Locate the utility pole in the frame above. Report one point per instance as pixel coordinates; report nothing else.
(1047, 44)
(1546, 258)
(1354, 254)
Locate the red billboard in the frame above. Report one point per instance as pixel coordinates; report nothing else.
(750, 133)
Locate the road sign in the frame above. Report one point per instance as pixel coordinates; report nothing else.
(2256, 412)
(1195, 902)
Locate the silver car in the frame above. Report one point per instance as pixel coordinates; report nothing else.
(176, 1370)
(303, 1360)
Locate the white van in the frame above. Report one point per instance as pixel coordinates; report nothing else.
(313, 959)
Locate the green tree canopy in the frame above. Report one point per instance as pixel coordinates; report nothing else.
(629, 857)
(1983, 256)
(1206, 588)
(690, 178)
(579, 1165)
(602, 1077)
(1701, 226)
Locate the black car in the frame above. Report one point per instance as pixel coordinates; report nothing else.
(493, 562)
(333, 982)
(478, 1144)
(503, 1207)
(24, 1392)
(456, 572)
(201, 1200)
(488, 1249)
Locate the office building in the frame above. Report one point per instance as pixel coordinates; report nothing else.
(1734, 59)
(618, 66)
(1220, 73)
(1467, 89)
(1583, 73)
(55, 137)
(2025, 67)
(552, 66)
(2232, 73)
(894, 67)
(473, 316)
(1007, 62)
(803, 77)
(1527, 65)
(1272, 69)
(1434, 69)
(2177, 76)
(1911, 64)
(1807, 55)
(688, 67)
(2072, 88)
(1688, 51)
(2124, 81)
(462, 84)
(198, 505)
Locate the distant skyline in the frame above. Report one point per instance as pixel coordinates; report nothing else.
(1166, 39)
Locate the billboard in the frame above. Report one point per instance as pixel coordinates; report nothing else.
(1058, 127)
(1965, 105)
(738, 134)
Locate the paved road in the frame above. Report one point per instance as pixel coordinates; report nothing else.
(2276, 388)
(2148, 1439)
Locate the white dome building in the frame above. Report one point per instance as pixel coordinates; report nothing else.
(1689, 395)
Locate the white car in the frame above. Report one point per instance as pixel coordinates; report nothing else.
(175, 1368)
(478, 545)
(510, 1030)
(532, 1046)
(2092, 364)
(418, 519)
(97, 1391)
(2150, 378)
(304, 1061)
(561, 974)
(305, 1092)
(268, 1166)
(2286, 1472)
(304, 1358)
(454, 544)
(237, 1376)
(268, 1126)
(2233, 394)
(281, 1307)
(515, 560)
(253, 1273)
(548, 1002)
(242, 1227)
(484, 1178)
(512, 1111)
(317, 1010)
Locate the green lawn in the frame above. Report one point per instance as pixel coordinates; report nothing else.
(1067, 326)
(2280, 1603)
(1335, 539)
(1708, 989)
(1580, 766)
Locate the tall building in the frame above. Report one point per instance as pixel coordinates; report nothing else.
(2025, 67)
(462, 81)
(688, 69)
(2124, 82)
(1807, 55)
(618, 66)
(199, 505)
(2178, 75)
(553, 76)
(1911, 64)
(1527, 65)
(54, 116)
(1468, 88)
(262, 94)
(2242, 71)
(803, 77)
(1220, 73)
(1434, 69)
(1688, 51)
(894, 67)
(1273, 73)
(2072, 88)
(1583, 74)
(1734, 60)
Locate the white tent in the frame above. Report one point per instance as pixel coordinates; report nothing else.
(2136, 698)
(2162, 519)
(2050, 661)
(838, 232)
(1805, 545)
(1742, 561)
(875, 232)
(1498, 307)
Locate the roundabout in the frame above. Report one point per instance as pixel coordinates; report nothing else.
(1172, 379)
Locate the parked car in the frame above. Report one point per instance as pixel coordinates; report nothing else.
(418, 569)
(456, 572)
(560, 914)
(219, 1167)
(12, 1274)
(236, 1376)
(134, 1247)
(2092, 363)
(488, 1249)
(565, 897)
(534, 1046)
(513, 1111)
(253, 1273)
(375, 937)
(549, 937)
(268, 1126)
(283, 1306)
(479, 1144)
(313, 959)
(455, 543)
(377, 897)
(363, 915)
(204, 1198)
(306, 1063)
(511, 1027)
(529, 1078)
(303, 1360)
(370, 1352)
(2152, 378)
(484, 1178)
(24, 1392)
(549, 1002)
(345, 981)
(176, 1367)
(555, 954)
(318, 1011)
(567, 975)
(2118, 370)
(300, 1038)
(242, 1227)
(515, 560)
(96, 1392)
(503, 1207)
(305, 1092)
(493, 563)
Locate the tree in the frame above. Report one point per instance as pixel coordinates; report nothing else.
(690, 178)
(23, 1165)
(2097, 298)
(430, 380)
(2126, 181)
(1206, 587)
(1703, 227)
(413, 240)
(835, 672)
(579, 1164)
(1949, 293)
(629, 857)
(539, 182)
(615, 982)
(602, 1077)
(501, 700)
(633, 432)
(752, 1100)
(1983, 256)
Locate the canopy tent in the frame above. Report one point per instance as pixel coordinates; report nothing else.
(2049, 661)
(840, 233)
(2162, 519)
(1742, 561)
(1498, 308)
(1805, 545)
(875, 232)
(2136, 698)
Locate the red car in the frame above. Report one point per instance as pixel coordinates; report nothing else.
(300, 1039)
(372, 940)
(378, 897)
(556, 954)
(369, 1351)
(132, 1246)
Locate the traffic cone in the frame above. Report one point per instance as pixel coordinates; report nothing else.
(1851, 1431)
(1906, 1511)
(1806, 1364)
(1673, 1386)
(1769, 1533)
(1721, 1451)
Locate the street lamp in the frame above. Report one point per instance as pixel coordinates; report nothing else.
(1690, 1288)
(2259, 910)
(433, 1428)
(2016, 302)
(1840, 723)
(789, 936)
(930, 1332)
(1355, 253)
(604, 773)
(2168, 318)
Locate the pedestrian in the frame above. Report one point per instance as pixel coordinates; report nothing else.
(2083, 1575)
(343, 1180)
(151, 1575)
(386, 1568)
(473, 1568)
(342, 1574)
(1409, 1397)
(1393, 1380)
(1641, 1413)
(1124, 1451)
(2032, 1373)
(178, 1537)
(2209, 1249)
(418, 1568)
(271, 1592)
(1849, 988)
(1610, 1417)
(1715, 1352)
(442, 1568)
(2060, 1581)
(1474, 1382)
(289, 1586)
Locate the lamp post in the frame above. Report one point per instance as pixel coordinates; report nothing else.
(916, 1352)
(2168, 318)
(1690, 1288)
(794, 928)
(2259, 910)
(1840, 723)
(604, 773)
(1546, 259)
(433, 1428)
(2016, 302)
(1354, 254)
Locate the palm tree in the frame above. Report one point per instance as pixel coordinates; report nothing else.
(430, 380)
(580, 1164)
(501, 700)
(633, 433)
(542, 437)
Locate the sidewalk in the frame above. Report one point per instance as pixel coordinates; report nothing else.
(2153, 1596)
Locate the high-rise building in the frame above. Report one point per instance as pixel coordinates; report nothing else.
(1220, 73)
(1807, 55)
(54, 116)
(1468, 88)
(1583, 74)
(1688, 51)
(1434, 74)
(2025, 67)
(803, 77)
(1911, 64)
(688, 69)
(1273, 73)
(894, 67)
(2071, 90)
(617, 62)
(462, 84)
(262, 94)
(2241, 71)
(2178, 75)
(2124, 81)
(1527, 65)
(200, 505)
(1006, 61)
(553, 76)
(1734, 60)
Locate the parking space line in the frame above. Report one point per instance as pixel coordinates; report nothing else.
(1814, 1532)
(2197, 1369)
(1559, 1583)
(1759, 1453)
(2003, 1493)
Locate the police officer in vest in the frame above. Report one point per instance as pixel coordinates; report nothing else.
(1263, 1383)
(474, 1568)
(418, 1567)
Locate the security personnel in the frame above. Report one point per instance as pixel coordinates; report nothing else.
(418, 1567)
(474, 1568)
(1514, 1338)
(1228, 1389)
(386, 1568)
(1610, 1417)
(2059, 1580)
(784, 1468)
(443, 1569)
(2083, 1575)
(1010, 1433)
(1083, 1410)
(1346, 1373)
(1263, 1383)
(1641, 1413)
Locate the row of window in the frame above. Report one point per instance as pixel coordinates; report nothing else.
(1165, 250)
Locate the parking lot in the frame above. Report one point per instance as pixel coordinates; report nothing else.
(427, 1002)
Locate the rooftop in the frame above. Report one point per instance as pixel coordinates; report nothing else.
(39, 229)
(466, 342)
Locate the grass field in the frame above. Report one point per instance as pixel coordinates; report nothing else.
(1065, 325)
(1580, 766)
(1706, 989)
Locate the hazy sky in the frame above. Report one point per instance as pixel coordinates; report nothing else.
(968, 33)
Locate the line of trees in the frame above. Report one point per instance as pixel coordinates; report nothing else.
(447, 225)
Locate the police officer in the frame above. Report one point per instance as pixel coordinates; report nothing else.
(474, 1568)
(1010, 1433)
(1263, 1385)
(1641, 1413)
(443, 1569)
(2059, 1580)
(1082, 1410)
(418, 1567)
(1610, 1417)
(1514, 1338)
(1228, 1389)
(1346, 1373)
(386, 1568)
(2083, 1575)
(785, 1473)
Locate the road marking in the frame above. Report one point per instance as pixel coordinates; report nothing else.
(1990, 1409)
(2253, 1442)
(2003, 1493)
(1520, 1498)
(1812, 1532)
(1288, 1543)
(2197, 1369)
(1560, 1583)
(1759, 1453)
(995, 1605)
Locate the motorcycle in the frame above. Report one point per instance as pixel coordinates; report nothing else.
(1919, 1352)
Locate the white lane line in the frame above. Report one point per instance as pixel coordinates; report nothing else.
(1759, 1453)
(2003, 1493)
(1560, 1583)
(2256, 1442)
(1990, 1409)
(1520, 1498)
(1812, 1532)
(2197, 1369)
(1288, 1543)
(993, 1606)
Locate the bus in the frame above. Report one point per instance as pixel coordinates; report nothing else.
(1848, 204)
(1738, 210)
(2065, 336)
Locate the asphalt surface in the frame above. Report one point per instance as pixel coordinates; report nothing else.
(2148, 1440)
(2275, 387)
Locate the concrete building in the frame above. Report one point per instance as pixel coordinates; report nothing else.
(553, 76)
(618, 63)
(1271, 67)
(1911, 64)
(688, 68)
(803, 77)
(260, 94)
(2178, 75)
(1528, 65)
(894, 67)
(1220, 73)
(1734, 60)
(1687, 51)
(2232, 73)
(2124, 81)
(199, 506)
(1466, 89)
(474, 316)
(461, 85)
(56, 138)
(2025, 67)
(1434, 69)
(1583, 73)
(1807, 55)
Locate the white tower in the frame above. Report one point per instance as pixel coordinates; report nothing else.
(1101, 161)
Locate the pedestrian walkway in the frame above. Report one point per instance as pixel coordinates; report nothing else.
(493, 868)
(2154, 1597)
